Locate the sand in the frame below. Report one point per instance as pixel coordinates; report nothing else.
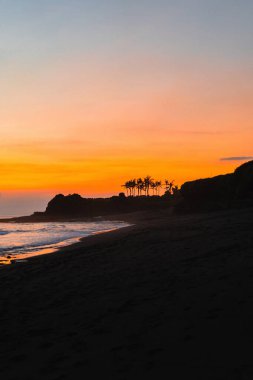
(168, 298)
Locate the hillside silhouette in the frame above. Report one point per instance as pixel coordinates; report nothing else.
(76, 206)
(219, 192)
(223, 191)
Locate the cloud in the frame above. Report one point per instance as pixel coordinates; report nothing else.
(237, 158)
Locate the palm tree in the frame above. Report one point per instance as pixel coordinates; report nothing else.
(147, 182)
(153, 187)
(139, 185)
(132, 186)
(127, 187)
(158, 185)
(169, 185)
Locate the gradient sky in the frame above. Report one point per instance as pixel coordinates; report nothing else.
(94, 92)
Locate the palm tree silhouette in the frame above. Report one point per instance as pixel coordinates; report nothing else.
(153, 187)
(158, 185)
(132, 186)
(127, 187)
(139, 185)
(147, 182)
(169, 185)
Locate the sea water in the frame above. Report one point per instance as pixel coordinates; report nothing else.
(22, 240)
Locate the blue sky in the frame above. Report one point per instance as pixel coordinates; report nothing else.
(49, 29)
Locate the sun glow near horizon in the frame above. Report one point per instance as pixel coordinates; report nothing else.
(87, 105)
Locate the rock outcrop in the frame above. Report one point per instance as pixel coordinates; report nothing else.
(222, 189)
(75, 206)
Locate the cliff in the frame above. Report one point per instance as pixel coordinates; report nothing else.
(223, 189)
(75, 206)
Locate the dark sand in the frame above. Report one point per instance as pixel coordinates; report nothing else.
(170, 298)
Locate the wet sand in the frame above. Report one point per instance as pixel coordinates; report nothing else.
(170, 297)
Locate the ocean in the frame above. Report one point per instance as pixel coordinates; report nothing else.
(23, 240)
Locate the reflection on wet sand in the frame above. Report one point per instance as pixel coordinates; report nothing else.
(22, 257)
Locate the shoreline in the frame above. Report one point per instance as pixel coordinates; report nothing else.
(135, 220)
(12, 258)
(80, 243)
(170, 295)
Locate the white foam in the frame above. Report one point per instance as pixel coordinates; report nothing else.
(22, 238)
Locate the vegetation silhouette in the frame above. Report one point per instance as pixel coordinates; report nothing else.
(220, 192)
(138, 186)
(216, 193)
(138, 197)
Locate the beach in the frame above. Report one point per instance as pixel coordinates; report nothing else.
(170, 296)
(20, 241)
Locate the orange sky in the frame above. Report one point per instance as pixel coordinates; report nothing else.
(94, 139)
(87, 121)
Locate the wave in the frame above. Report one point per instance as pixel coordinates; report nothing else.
(22, 231)
(27, 238)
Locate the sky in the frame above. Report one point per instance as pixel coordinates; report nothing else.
(95, 92)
